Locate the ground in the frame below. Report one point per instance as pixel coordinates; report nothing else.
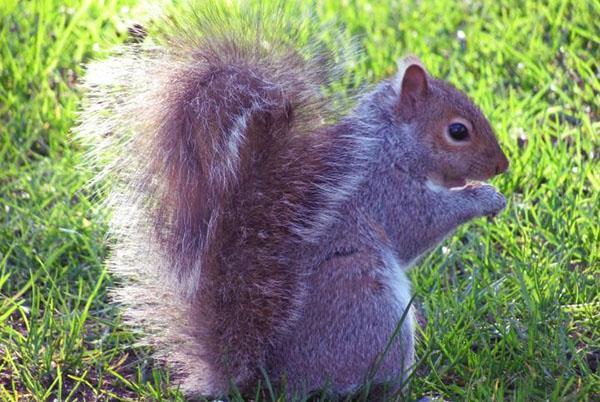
(510, 308)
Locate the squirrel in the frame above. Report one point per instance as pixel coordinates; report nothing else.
(256, 231)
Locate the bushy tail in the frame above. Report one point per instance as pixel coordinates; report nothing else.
(209, 138)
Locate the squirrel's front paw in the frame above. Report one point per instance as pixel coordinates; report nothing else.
(489, 200)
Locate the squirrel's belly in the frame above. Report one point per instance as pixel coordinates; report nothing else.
(353, 307)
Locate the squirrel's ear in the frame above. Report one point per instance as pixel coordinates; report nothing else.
(410, 83)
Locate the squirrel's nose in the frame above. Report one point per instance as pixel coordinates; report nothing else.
(502, 164)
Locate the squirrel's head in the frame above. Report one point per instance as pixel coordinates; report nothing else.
(453, 133)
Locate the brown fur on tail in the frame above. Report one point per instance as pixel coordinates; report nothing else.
(221, 183)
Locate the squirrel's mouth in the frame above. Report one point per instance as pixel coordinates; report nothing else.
(452, 183)
(447, 182)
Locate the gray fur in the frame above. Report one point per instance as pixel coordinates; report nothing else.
(253, 234)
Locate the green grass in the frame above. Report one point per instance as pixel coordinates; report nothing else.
(512, 307)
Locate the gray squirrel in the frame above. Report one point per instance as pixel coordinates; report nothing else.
(255, 231)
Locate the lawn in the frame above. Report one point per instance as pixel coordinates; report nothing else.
(511, 308)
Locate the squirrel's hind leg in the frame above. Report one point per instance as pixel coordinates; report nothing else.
(347, 334)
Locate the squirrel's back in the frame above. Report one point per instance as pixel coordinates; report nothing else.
(220, 183)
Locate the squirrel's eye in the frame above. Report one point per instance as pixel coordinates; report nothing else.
(458, 131)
